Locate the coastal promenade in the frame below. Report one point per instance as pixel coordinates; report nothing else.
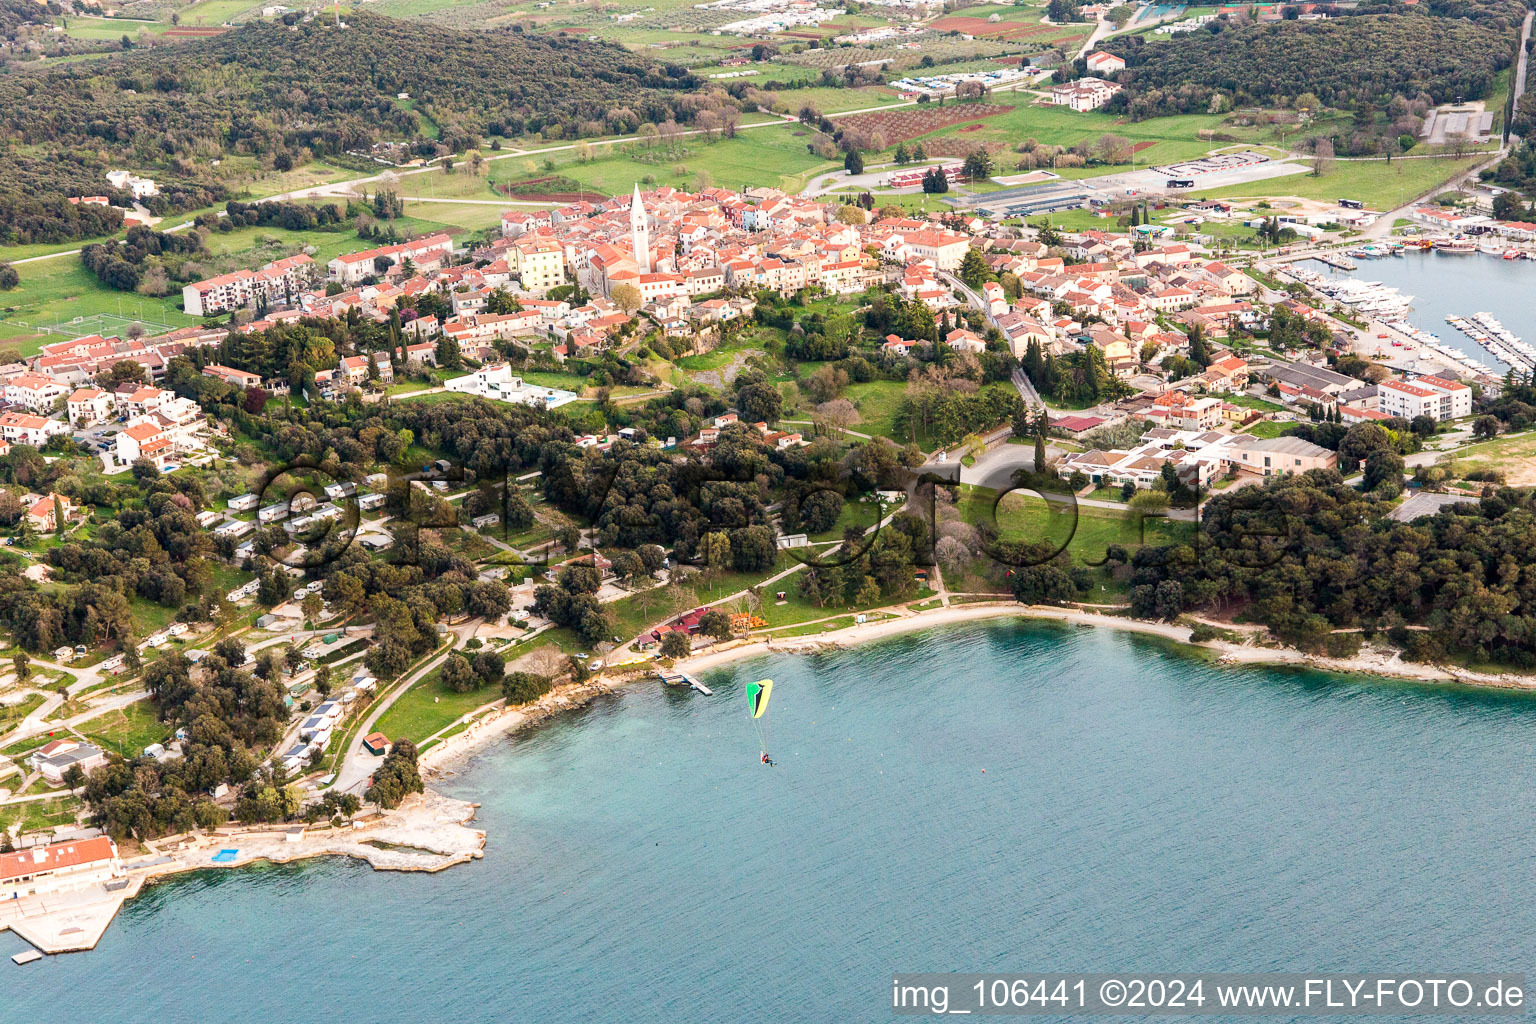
(428, 832)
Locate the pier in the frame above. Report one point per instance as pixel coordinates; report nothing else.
(683, 679)
(1334, 260)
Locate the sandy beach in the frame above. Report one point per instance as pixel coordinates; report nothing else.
(441, 759)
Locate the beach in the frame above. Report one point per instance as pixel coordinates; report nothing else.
(1370, 661)
(431, 832)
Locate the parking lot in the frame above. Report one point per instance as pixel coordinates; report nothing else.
(1156, 179)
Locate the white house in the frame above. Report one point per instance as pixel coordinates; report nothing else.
(1102, 63)
(90, 406)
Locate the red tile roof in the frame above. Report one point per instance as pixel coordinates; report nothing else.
(52, 858)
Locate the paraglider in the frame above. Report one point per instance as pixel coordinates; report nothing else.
(757, 703)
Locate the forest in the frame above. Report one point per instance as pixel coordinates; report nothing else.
(288, 92)
(1309, 554)
(1346, 61)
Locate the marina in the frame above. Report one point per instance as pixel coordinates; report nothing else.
(1369, 297)
(1441, 290)
(1502, 343)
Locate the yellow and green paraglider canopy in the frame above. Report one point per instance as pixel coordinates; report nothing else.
(757, 696)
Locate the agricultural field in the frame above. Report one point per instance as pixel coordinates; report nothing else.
(109, 29)
(918, 121)
(833, 99)
(775, 155)
(943, 50)
(216, 12)
(1161, 140)
(1014, 24)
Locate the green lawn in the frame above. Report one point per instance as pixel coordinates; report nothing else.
(1249, 402)
(877, 402)
(429, 707)
(1024, 517)
(1267, 428)
(1373, 182)
(127, 731)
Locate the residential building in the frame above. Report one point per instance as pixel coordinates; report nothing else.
(230, 375)
(496, 382)
(43, 510)
(1102, 63)
(276, 283)
(89, 407)
(1084, 94)
(1435, 397)
(425, 254)
(20, 428)
(35, 391)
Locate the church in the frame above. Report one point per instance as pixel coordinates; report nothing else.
(615, 263)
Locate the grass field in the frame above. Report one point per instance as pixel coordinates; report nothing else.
(877, 402)
(831, 100)
(774, 155)
(13, 713)
(128, 731)
(1373, 182)
(37, 815)
(60, 289)
(215, 12)
(428, 707)
(1085, 533)
(109, 28)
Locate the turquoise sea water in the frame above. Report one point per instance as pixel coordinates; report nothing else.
(1139, 810)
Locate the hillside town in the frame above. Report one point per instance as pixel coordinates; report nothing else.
(1130, 371)
(685, 265)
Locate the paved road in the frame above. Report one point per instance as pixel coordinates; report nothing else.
(32, 725)
(357, 764)
(995, 467)
(1525, 38)
(1020, 381)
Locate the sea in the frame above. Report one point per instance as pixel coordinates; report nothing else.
(988, 797)
(1463, 284)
